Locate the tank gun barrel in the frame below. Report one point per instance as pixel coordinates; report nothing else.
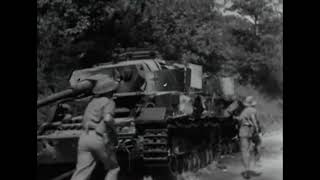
(82, 87)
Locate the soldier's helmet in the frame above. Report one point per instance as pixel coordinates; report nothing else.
(105, 85)
(249, 101)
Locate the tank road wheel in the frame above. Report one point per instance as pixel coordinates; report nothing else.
(211, 158)
(181, 164)
(188, 162)
(193, 162)
(184, 164)
(208, 159)
(199, 160)
(196, 162)
(174, 165)
(204, 159)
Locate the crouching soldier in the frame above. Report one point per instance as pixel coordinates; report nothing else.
(99, 137)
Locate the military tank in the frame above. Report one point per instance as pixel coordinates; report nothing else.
(164, 119)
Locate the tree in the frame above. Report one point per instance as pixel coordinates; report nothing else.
(255, 10)
(78, 34)
(190, 31)
(262, 41)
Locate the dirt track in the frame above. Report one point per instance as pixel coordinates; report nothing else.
(271, 162)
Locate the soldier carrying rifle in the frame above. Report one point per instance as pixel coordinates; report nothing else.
(250, 136)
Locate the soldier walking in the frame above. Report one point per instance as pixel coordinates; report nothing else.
(97, 142)
(249, 135)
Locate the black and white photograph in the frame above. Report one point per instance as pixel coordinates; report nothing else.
(159, 89)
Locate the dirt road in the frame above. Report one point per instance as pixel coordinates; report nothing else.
(271, 162)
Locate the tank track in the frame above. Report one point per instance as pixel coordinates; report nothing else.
(156, 153)
(155, 147)
(158, 149)
(155, 144)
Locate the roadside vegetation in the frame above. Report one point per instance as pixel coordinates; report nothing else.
(241, 37)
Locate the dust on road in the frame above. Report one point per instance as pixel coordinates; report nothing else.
(271, 164)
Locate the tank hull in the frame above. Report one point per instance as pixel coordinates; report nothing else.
(179, 143)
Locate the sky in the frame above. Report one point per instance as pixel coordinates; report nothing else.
(277, 4)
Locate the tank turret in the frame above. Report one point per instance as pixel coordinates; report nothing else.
(80, 88)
